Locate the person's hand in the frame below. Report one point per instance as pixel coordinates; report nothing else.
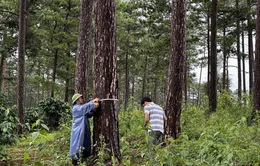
(96, 103)
(96, 100)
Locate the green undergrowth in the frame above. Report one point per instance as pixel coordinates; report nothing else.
(221, 138)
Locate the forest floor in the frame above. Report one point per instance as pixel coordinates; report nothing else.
(37, 153)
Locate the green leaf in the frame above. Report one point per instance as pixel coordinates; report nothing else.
(25, 157)
(33, 125)
(38, 122)
(7, 111)
(35, 135)
(37, 163)
(45, 127)
(5, 130)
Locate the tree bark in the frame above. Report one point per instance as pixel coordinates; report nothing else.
(243, 59)
(21, 57)
(127, 90)
(224, 82)
(54, 70)
(257, 63)
(209, 49)
(82, 57)
(3, 65)
(3, 73)
(238, 53)
(213, 77)
(144, 77)
(250, 48)
(176, 67)
(105, 86)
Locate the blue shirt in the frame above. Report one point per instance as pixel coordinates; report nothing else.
(80, 141)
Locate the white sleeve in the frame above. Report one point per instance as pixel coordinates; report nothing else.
(146, 110)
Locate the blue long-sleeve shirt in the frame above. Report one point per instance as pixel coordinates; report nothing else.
(80, 140)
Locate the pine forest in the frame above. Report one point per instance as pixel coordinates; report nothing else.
(129, 82)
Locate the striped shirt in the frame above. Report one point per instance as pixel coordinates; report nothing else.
(156, 114)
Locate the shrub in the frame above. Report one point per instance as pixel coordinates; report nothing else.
(53, 112)
(8, 122)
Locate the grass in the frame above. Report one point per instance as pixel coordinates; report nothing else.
(223, 138)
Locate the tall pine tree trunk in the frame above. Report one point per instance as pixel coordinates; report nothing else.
(106, 120)
(224, 82)
(144, 76)
(250, 48)
(3, 65)
(213, 59)
(243, 58)
(127, 89)
(176, 73)
(55, 61)
(82, 57)
(257, 63)
(209, 49)
(238, 53)
(21, 57)
(3, 73)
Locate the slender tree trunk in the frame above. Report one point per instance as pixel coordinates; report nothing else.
(213, 77)
(2, 73)
(21, 57)
(238, 53)
(155, 91)
(243, 58)
(127, 90)
(144, 76)
(257, 64)
(4, 69)
(54, 70)
(67, 81)
(224, 60)
(176, 67)
(201, 66)
(250, 48)
(209, 50)
(82, 57)
(106, 120)
(186, 76)
(133, 89)
(3, 65)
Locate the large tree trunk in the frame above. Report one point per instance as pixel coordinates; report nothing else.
(82, 57)
(175, 73)
(106, 120)
(238, 53)
(250, 48)
(257, 63)
(21, 55)
(213, 59)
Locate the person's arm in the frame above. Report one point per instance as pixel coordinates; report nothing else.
(90, 107)
(146, 119)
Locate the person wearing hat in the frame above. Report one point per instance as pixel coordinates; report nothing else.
(154, 114)
(80, 141)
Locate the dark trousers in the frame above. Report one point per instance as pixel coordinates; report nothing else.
(157, 137)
